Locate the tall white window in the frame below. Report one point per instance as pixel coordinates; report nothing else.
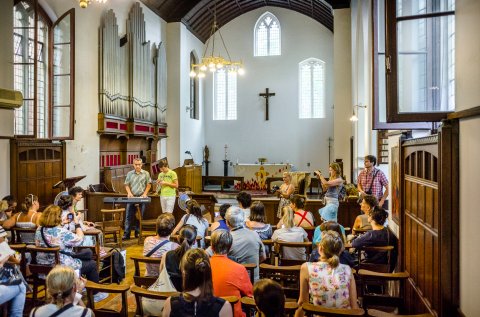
(267, 35)
(311, 102)
(225, 95)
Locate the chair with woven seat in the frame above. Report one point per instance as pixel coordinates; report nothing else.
(18, 234)
(280, 245)
(105, 271)
(287, 276)
(102, 310)
(269, 244)
(248, 305)
(21, 248)
(140, 292)
(40, 271)
(138, 279)
(378, 313)
(317, 310)
(383, 298)
(376, 267)
(146, 227)
(251, 271)
(112, 221)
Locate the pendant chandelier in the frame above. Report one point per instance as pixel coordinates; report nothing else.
(214, 61)
(85, 3)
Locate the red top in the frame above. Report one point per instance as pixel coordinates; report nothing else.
(230, 279)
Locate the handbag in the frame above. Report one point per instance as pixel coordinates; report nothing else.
(154, 307)
(10, 275)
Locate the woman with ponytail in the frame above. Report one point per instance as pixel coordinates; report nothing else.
(28, 217)
(195, 218)
(197, 297)
(64, 290)
(327, 282)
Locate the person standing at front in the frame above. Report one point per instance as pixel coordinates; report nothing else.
(168, 181)
(137, 184)
(371, 181)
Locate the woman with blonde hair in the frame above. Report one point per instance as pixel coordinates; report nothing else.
(290, 233)
(327, 282)
(285, 191)
(62, 288)
(333, 186)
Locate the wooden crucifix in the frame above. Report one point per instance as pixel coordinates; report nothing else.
(266, 95)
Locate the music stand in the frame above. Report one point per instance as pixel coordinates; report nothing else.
(66, 183)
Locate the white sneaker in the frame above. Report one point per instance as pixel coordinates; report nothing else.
(99, 297)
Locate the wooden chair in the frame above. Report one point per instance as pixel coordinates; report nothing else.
(382, 268)
(378, 313)
(101, 311)
(383, 298)
(112, 222)
(251, 271)
(280, 245)
(316, 310)
(248, 305)
(138, 279)
(140, 292)
(270, 254)
(21, 248)
(359, 231)
(40, 271)
(146, 227)
(103, 270)
(287, 276)
(17, 233)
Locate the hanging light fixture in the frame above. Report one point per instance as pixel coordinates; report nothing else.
(354, 117)
(212, 62)
(85, 3)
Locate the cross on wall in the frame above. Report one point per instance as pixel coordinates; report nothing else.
(267, 96)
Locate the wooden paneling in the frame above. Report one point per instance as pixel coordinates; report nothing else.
(429, 232)
(35, 167)
(190, 176)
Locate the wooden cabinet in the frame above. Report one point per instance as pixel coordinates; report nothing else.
(382, 146)
(191, 176)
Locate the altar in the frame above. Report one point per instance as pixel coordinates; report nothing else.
(255, 175)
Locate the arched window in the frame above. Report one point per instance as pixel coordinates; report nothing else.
(267, 35)
(225, 95)
(311, 102)
(41, 46)
(194, 82)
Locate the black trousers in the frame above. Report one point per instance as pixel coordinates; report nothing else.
(89, 269)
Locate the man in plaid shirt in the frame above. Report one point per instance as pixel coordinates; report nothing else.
(368, 187)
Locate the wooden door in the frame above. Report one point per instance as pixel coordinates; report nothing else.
(35, 167)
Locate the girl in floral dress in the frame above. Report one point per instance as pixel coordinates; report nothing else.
(327, 282)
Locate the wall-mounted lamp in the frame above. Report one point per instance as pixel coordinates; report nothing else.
(354, 117)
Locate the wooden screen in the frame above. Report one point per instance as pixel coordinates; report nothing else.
(429, 225)
(35, 167)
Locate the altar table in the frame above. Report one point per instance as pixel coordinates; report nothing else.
(255, 175)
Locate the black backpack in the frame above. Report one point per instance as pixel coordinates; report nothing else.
(118, 269)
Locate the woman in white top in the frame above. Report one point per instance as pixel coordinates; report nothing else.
(290, 233)
(28, 217)
(195, 218)
(62, 287)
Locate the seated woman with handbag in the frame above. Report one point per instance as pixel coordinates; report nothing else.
(51, 233)
(12, 287)
(62, 289)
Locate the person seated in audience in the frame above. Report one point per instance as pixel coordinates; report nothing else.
(77, 195)
(161, 242)
(229, 277)
(327, 215)
(66, 203)
(345, 256)
(378, 236)
(14, 293)
(28, 217)
(4, 211)
(247, 247)
(221, 224)
(171, 259)
(302, 218)
(51, 233)
(244, 200)
(269, 298)
(285, 191)
(257, 221)
(63, 288)
(327, 282)
(12, 203)
(195, 218)
(366, 206)
(290, 233)
(197, 298)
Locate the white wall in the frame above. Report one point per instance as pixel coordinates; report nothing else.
(467, 17)
(284, 137)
